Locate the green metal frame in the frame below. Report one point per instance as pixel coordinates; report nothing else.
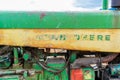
(103, 19)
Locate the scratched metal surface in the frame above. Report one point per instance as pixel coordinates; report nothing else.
(106, 40)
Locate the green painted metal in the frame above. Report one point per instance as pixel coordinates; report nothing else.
(10, 78)
(36, 67)
(16, 61)
(105, 4)
(26, 56)
(52, 76)
(73, 57)
(22, 74)
(60, 20)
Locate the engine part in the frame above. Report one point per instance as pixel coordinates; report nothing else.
(56, 64)
(83, 74)
(114, 69)
(107, 76)
(88, 74)
(21, 74)
(5, 57)
(112, 72)
(76, 74)
(87, 61)
(5, 61)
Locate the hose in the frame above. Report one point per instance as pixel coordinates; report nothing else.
(87, 61)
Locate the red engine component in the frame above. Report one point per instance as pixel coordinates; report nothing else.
(77, 74)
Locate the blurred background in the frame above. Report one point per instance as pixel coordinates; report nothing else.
(50, 5)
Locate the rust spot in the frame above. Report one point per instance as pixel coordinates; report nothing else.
(42, 15)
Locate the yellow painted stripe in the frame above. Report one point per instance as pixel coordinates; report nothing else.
(107, 40)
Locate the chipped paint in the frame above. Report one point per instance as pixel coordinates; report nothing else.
(106, 40)
(42, 15)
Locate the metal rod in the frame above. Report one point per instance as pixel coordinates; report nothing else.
(105, 5)
(16, 56)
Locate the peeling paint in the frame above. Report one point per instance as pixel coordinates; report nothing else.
(106, 40)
